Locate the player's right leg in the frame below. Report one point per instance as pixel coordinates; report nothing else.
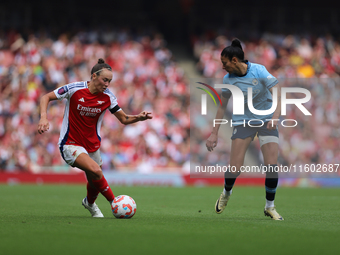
(95, 177)
(238, 150)
(71, 154)
(93, 173)
(77, 156)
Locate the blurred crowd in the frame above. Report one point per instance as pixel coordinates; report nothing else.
(297, 61)
(145, 77)
(287, 56)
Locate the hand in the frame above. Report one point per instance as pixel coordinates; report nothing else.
(272, 124)
(43, 126)
(211, 142)
(144, 116)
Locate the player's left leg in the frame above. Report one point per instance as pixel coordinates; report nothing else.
(92, 186)
(94, 175)
(270, 150)
(96, 183)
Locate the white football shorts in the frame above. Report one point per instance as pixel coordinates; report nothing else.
(71, 152)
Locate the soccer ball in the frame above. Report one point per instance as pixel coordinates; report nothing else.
(123, 206)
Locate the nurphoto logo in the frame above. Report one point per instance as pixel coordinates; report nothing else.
(239, 102)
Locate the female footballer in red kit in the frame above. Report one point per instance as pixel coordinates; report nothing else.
(79, 140)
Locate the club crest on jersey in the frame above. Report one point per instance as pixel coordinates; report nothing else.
(255, 82)
(101, 102)
(62, 90)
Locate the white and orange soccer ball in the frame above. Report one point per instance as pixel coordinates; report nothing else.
(123, 206)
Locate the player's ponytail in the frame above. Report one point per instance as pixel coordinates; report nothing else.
(97, 68)
(234, 50)
(236, 43)
(101, 61)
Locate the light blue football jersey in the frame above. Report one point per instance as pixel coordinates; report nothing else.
(260, 80)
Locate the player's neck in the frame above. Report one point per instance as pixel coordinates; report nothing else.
(242, 69)
(92, 88)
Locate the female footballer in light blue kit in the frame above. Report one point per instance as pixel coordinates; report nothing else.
(243, 74)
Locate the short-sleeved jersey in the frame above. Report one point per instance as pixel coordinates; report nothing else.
(260, 80)
(84, 114)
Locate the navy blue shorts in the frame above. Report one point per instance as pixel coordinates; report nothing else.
(246, 131)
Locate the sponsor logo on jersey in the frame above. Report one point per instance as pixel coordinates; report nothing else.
(62, 90)
(88, 111)
(81, 100)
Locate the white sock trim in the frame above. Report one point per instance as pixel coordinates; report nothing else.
(269, 203)
(227, 193)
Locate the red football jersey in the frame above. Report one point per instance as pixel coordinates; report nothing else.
(84, 114)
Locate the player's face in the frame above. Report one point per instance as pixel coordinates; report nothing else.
(228, 65)
(102, 80)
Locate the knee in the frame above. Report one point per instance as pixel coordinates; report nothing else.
(95, 172)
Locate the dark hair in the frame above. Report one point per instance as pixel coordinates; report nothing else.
(97, 68)
(234, 50)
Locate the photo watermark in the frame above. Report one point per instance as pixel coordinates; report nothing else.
(308, 126)
(239, 104)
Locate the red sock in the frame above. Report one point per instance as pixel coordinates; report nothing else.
(103, 187)
(92, 193)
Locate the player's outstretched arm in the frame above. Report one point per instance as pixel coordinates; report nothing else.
(44, 125)
(212, 140)
(129, 119)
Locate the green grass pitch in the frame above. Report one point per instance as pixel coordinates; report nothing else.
(49, 219)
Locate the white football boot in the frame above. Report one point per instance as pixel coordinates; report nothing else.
(221, 203)
(94, 210)
(272, 213)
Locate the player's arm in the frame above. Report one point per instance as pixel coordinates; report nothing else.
(129, 119)
(44, 125)
(272, 124)
(212, 140)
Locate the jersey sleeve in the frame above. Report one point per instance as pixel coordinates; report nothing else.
(114, 107)
(67, 90)
(267, 79)
(226, 93)
(62, 92)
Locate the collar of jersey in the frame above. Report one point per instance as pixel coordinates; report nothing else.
(248, 67)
